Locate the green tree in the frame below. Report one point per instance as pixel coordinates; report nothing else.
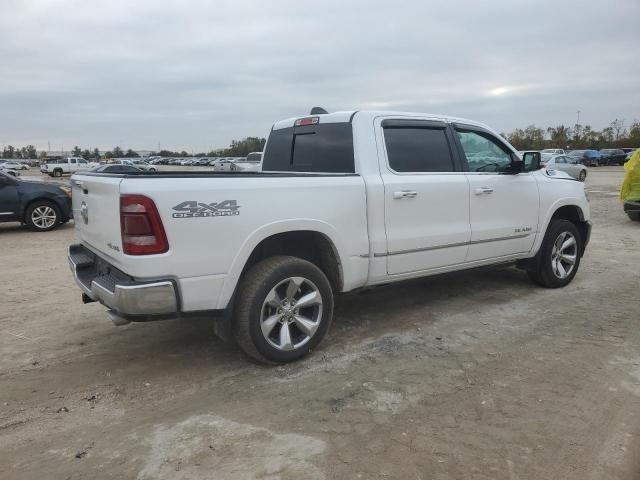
(117, 153)
(77, 151)
(131, 154)
(8, 152)
(96, 153)
(86, 154)
(559, 136)
(240, 148)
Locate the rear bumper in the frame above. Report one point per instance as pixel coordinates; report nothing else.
(632, 206)
(126, 297)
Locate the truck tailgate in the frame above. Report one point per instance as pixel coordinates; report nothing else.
(96, 210)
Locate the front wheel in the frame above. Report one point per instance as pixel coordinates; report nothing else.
(582, 176)
(283, 309)
(559, 256)
(42, 216)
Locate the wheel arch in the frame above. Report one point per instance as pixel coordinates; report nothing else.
(27, 203)
(566, 210)
(311, 240)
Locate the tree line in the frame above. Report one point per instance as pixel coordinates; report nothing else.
(238, 148)
(616, 135)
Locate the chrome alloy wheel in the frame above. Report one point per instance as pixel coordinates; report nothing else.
(563, 255)
(291, 313)
(44, 217)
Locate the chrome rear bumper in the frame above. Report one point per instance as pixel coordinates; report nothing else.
(125, 296)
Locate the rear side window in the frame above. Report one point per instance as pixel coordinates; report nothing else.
(418, 149)
(325, 147)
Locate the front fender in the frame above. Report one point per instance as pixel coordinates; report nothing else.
(583, 212)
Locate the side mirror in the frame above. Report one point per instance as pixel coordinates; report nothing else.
(517, 165)
(531, 161)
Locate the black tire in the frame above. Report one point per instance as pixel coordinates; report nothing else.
(542, 272)
(33, 224)
(251, 295)
(634, 216)
(57, 173)
(583, 175)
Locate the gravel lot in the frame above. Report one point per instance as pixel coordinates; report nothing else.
(473, 375)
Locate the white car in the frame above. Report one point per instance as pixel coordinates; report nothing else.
(568, 164)
(67, 166)
(344, 201)
(141, 164)
(554, 151)
(11, 165)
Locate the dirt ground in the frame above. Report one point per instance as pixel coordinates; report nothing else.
(473, 375)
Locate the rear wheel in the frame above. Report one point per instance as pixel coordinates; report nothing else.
(283, 309)
(57, 173)
(635, 216)
(42, 216)
(559, 256)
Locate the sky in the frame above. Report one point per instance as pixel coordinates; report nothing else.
(196, 74)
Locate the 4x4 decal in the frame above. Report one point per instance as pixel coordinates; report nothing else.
(194, 209)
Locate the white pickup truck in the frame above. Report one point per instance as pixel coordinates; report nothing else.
(66, 166)
(344, 201)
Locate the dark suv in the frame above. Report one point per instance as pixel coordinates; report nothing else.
(590, 158)
(613, 156)
(40, 206)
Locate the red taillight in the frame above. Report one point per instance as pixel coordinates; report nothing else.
(141, 226)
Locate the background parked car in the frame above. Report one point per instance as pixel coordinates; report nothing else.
(41, 206)
(116, 168)
(612, 156)
(140, 164)
(11, 165)
(590, 158)
(630, 152)
(568, 164)
(554, 151)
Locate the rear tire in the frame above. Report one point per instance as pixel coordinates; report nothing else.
(42, 216)
(558, 260)
(57, 173)
(271, 324)
(634, 216)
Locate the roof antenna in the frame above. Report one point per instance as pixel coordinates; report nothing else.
(317, 111)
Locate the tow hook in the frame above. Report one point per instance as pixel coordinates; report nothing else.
(87, 299)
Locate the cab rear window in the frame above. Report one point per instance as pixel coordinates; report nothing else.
(325, 148)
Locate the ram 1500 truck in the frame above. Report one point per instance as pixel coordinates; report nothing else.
(344, 201)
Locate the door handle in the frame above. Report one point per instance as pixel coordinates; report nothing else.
(483, 191)
(404, 194)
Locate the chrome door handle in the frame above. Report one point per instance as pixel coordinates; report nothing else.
(404, 194)
(483, 191)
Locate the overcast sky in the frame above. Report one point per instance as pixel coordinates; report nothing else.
(195, 74)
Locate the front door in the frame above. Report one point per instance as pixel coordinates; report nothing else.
(9, 199)
(426, 196)
(503, 206)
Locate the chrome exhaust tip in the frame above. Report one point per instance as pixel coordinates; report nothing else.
(117, 319)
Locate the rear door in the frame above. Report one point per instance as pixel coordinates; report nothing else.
(503, 207)
(426, 196)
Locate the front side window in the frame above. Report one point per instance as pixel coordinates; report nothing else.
(483, 153)
(418, 149)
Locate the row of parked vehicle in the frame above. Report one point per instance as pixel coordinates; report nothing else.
(594, 158)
